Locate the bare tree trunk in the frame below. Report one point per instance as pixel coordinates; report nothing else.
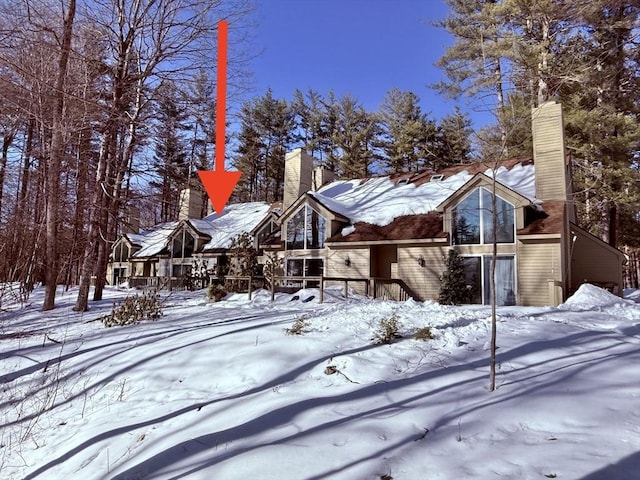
(7, 140)
(91, 246)
(494, 258)
(56, 156)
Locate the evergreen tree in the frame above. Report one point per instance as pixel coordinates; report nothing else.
(408, 138)
(309, 115)
(354, 137)
(170, 157)
(267, 128)
(453, 285)
(201, 111)
(453, 139)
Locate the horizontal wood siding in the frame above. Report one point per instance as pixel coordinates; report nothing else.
(548, 152)
(359, 266)
(538, 262)
(594, 262)
(424, 281)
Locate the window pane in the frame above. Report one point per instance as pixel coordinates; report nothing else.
(504, 219)
(473, 277)
(505, 281)
(189, 244)
(295, 267)
(176, 249)
(314, 267)
(466, 220)
(295, 231)
(316, 229)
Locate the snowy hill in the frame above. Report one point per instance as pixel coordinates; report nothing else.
(220, 391)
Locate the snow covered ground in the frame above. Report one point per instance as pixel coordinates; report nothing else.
(220, 391)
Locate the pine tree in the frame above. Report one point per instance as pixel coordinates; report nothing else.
(267, 128)
(354, 137)
(453, 140)
(453, 285)
(171, 158)
(409, 137)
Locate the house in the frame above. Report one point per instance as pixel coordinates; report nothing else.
(390, 236)
(171, 251)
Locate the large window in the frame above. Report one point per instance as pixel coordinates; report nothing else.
(306, 229)
(183, 245)
(478, 275)
(305, 267)
(472, 219)
(121, 252)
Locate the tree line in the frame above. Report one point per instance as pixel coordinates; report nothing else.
(343, 137)
(107, 107)
(512, 55)
(82, 86)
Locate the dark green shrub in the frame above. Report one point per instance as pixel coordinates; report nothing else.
(453, 283)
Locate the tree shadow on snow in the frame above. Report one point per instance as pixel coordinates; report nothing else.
(467, 375)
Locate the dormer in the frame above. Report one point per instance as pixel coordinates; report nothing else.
(467, 215)
(307, 224)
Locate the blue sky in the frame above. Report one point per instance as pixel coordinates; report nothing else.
(363, 47)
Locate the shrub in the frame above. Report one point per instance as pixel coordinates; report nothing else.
(453, 283)
(387, 331)
(298, 327)
(216, 292)
(135, 309)
(424, 334)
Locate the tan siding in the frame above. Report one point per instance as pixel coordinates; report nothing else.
(424, 281)
(548, 152)
(538, 262)
(594, 262)
(298, 167)
(358, 268)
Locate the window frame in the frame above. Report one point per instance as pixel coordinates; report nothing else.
(307, 213)
(483, 221)
(485, 265)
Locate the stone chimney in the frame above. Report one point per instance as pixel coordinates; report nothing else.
(190, 204)
(552, 177)
(298, 172)
(322, 176)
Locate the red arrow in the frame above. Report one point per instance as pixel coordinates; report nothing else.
(219, 183)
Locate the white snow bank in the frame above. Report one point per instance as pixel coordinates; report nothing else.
(590, 297)
(632, 294)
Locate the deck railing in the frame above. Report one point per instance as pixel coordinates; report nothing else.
(383, 288)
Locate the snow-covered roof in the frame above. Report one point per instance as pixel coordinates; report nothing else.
(379, 201)
(235, 220)
(152, 241)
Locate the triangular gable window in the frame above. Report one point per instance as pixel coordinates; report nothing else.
(306, 229)
(183, 245)
(472, 219)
